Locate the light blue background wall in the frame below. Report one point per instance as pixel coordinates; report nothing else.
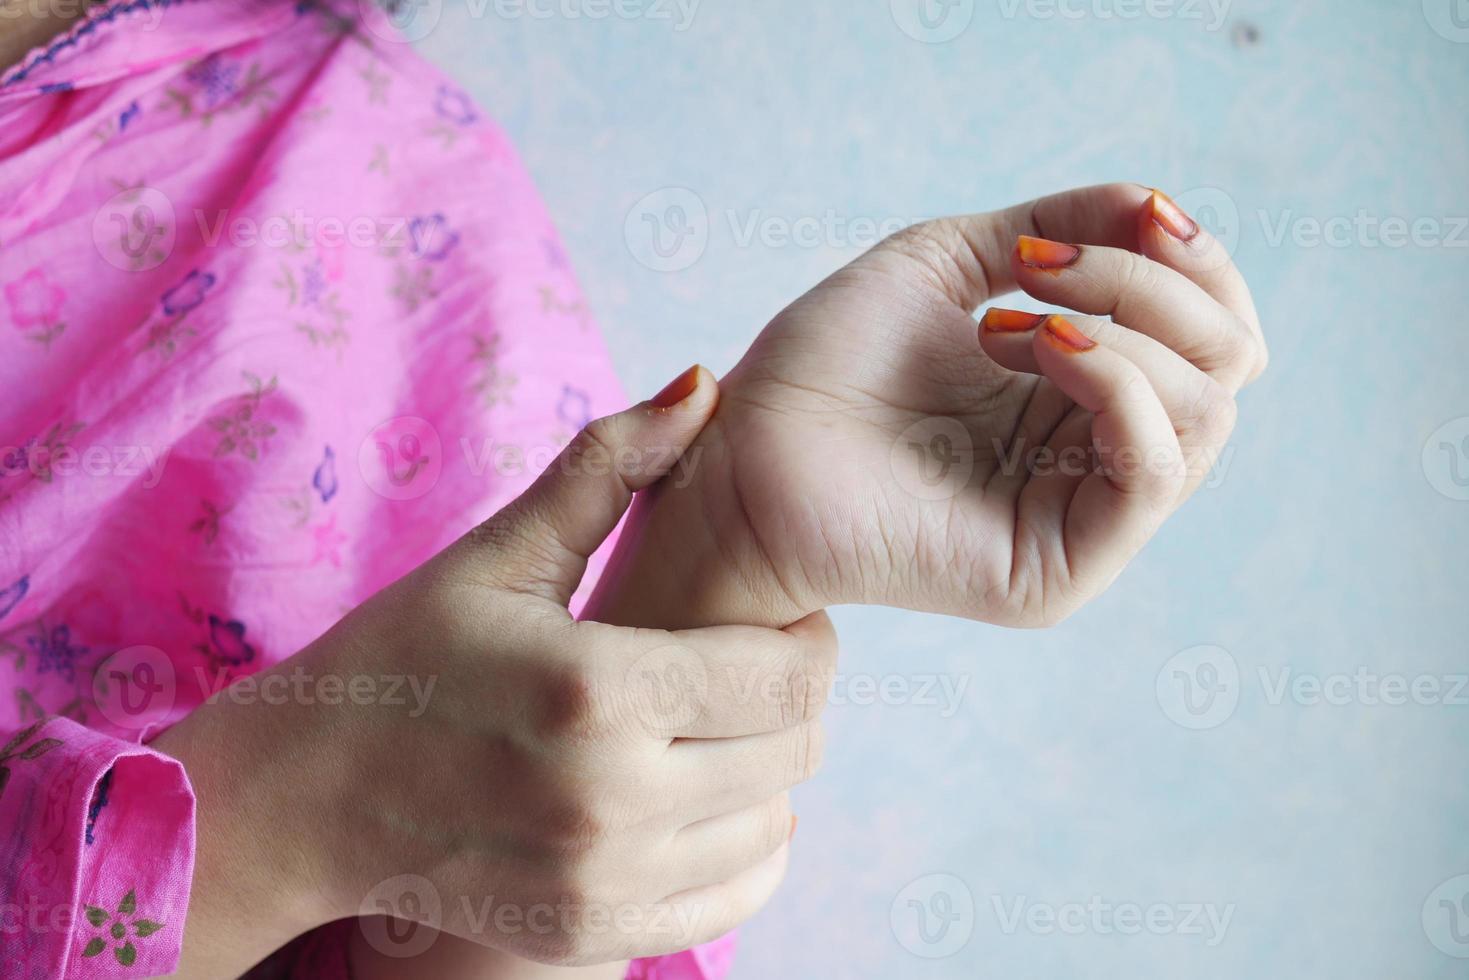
(1330, 544)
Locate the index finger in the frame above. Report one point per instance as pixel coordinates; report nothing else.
(732, 681)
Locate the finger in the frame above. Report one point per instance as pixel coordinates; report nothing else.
(1140, 473)
(716, 849)
(761, 680)
(1168, 235)
(701, 915)
(1142, 295)
(1202, 412)
(720, 775)
(540, 543)
(968, 257)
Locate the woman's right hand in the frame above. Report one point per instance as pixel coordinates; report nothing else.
(567, 792)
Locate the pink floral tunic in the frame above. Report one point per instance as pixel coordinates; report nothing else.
(280, 315)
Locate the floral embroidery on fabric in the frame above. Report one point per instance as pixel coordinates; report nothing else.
(310, 294)
(217, 85)
(413, 286)
(99, 802)
(327, 541)
(38, 455)
(432, 238)
(223, 643)
(55, 651)
(22, 749)
(177, 303)
(574, 408)
(550, 303)
(241, 431)
(35, 307)
(493, 384)
(325, 477)
(455, 106)
(207, 524)
(11, 595)
(115, 928)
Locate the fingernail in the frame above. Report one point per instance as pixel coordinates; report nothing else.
(793, 826)
(997, 320)
(678, 389)
(1040, 253)
(1172, 218)
(1064, 336)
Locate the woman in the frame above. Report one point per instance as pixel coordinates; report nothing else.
(338, 333)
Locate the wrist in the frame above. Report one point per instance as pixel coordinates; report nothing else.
(687, 556)
(260, 873)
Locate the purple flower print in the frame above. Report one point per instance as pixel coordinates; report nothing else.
(132, 112)
(325, 477)
(34, 300)
(575, 408)
(227, 642)
(455, 106)
(187, 294)
(55, 651)
(313, 284)
(432, 237)
(11, 595)
(217, 78)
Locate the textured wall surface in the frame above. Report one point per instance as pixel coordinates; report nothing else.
(1102, 799)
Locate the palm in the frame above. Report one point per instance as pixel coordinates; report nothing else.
(868, 439)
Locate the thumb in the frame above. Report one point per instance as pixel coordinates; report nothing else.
(539, 544)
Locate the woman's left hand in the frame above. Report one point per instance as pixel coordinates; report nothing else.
(871, 449)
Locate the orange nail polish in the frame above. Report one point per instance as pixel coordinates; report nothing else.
(1172, 218)
(1040, 253)
(678, 389)
(793, 826)
(997, 320)
(1064, 336)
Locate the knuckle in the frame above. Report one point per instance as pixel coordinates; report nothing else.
(1210, 414)
(573, 833)
(777, 827)
(808, 750)
(569, 703)
(1232, 344)
(801, 694)
(936, 246)
(598, 439)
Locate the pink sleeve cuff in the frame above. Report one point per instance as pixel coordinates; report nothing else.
(97, 836)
